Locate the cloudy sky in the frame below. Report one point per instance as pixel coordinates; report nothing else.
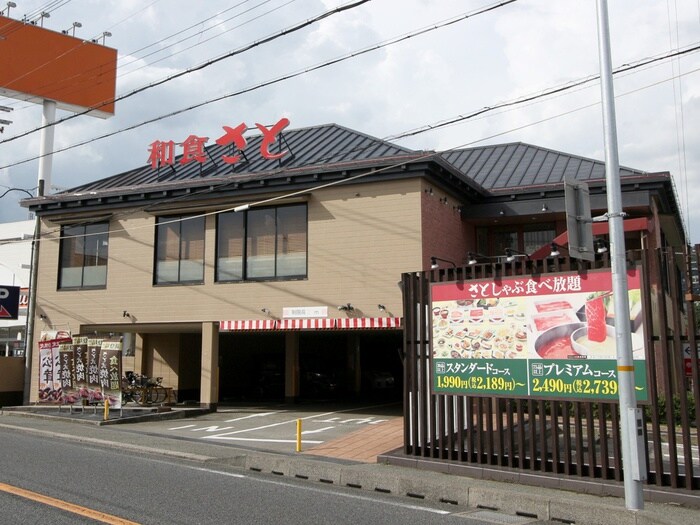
(524, 48)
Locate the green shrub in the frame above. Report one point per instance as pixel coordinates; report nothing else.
(691, 408)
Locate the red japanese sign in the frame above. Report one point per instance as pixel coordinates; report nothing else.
(163, 152)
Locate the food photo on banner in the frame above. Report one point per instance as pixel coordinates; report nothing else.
(50, 389)
(542, 336)
(79, 370)
(67, 372)
(80, 359)
(94, 386)
(110, 367)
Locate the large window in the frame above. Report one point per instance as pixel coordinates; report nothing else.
(536, 236)
(526, 238)
(265, 243)
(179, 250)
(83, 256)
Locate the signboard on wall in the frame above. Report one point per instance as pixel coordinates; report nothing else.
(550, 336)
(9, 302)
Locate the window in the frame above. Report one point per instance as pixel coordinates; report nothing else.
(527, 238)
(179, 250)
(265, 243)
(503, 240)
(536, 236)
(84, 251)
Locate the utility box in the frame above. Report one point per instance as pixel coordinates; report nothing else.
(635, 424)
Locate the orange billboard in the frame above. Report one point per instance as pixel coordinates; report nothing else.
(38, 64)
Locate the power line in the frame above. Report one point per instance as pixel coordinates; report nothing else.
(460, 118)
(261, 85)
(98, 69)
(16, 189)
(546, 93)
(201, 33)
(372, 171)
(47, 8)
(204, 65)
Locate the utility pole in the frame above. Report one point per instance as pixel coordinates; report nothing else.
(45, 163)
(630, 415)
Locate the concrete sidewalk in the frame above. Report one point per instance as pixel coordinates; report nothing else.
(351, 461)
(364, 445)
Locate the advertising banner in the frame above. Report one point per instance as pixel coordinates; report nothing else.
(67, 373)
(94, 386)
(50, 389)
(80, 360)
(551, 335)
(80, 369)
(111, 371)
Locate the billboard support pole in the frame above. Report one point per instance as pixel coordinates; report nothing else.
(630, 417)
(48, 120)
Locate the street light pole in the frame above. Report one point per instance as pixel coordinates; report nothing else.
(630, 417)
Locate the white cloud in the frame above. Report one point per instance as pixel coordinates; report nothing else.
(512, 51)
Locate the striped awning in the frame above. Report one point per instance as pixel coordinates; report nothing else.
(355, 323)
(306, 324)
(249, 324)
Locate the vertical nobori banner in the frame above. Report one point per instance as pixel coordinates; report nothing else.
(111, 371)
(94, 387)
(549, 335)
(80, 359)
(50, 390)
(67, 375)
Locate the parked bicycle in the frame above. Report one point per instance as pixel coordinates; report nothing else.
(143, 390)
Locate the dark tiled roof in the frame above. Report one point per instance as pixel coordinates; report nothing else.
(522, 166)
(319, 146)
(331, 148)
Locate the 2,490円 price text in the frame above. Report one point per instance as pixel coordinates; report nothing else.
(606, 387)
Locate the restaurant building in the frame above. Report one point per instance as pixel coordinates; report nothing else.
(269, 264)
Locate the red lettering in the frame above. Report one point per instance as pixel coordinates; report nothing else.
(269, 138)
(193, 149)
(161, 153)
(233, 136)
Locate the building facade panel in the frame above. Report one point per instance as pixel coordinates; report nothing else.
(357, 237)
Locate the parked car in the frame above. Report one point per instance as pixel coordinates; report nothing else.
(315, 383)
(271, 383)
(379, 380)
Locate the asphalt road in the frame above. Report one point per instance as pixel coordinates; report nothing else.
(273, 427)
(81, 480)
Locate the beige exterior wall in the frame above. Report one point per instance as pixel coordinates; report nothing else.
(360, 239)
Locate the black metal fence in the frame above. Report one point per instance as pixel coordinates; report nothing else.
(580, 439)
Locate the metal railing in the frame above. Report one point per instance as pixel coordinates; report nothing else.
(579, 439)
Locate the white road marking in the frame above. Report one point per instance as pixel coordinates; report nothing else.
(316, 431)
(260, 440)
(211, 428)
(273, 425)
(227, 435)
(261, 414)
